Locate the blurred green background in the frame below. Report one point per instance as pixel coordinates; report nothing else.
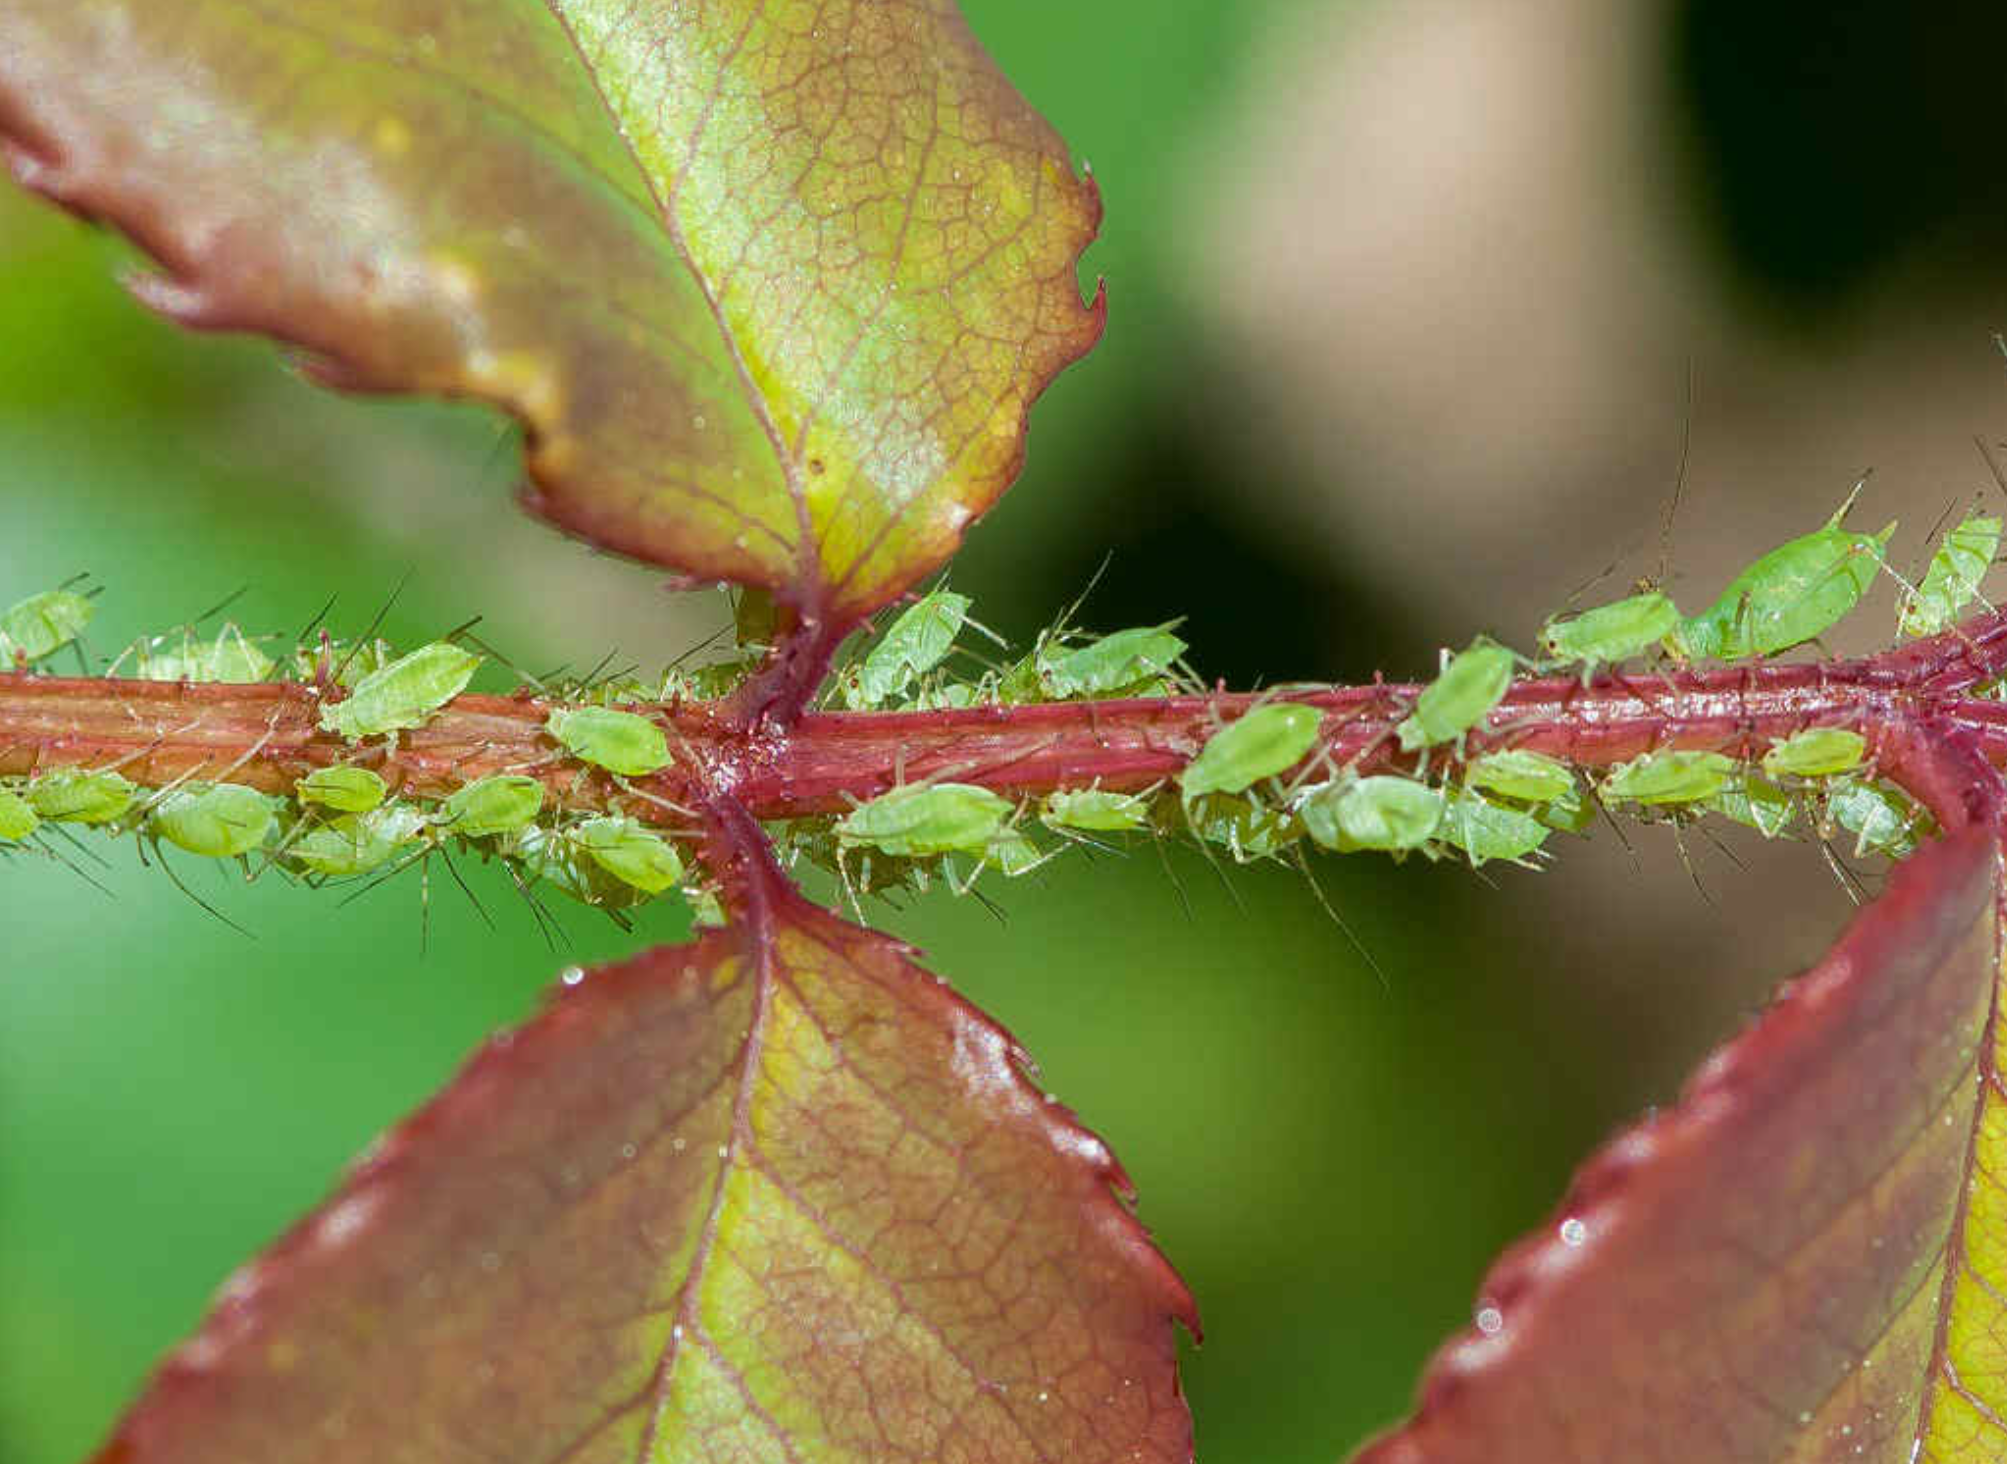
(1266, 445)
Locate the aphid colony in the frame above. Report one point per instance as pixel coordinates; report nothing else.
(344, 821)
(1260, 786)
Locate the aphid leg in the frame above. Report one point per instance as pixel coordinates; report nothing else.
(161, 858)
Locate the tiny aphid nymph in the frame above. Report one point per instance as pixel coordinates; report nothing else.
(621, 742)
(1266, 741)
(76, 795)
(1473, 682)
(1817, 752)
(41, 625)
(219, 821)
(501, 804)
(402, 695)
(920, 820)
(1670, 776)
(343, 788)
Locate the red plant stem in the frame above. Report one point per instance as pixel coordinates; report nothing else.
(266, 735)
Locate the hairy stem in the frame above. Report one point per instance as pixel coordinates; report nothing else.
(266, 735)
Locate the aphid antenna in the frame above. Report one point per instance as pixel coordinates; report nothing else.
(160, 855)
(78, 870)
(465, 888)
(83, 850)
(1706, 831)
(545, 921)
(375, 624)
(466, 633)
(1351, 937)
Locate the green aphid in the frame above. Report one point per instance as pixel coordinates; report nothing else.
(1472, 683)
(343, 788)
(1531, 777)
(41, 625)
(1671, 776)
(1126, 663)
(914, 644)
(707, 911)
(214, 821)
(1881, 820)
(1250, 830)
(1817, 752)
(1485, 830)
(17, 819)
(230, 657)
(630, 852)
(1267, 740)
(621, 742)
(558, 861)
(1013, 854)
(1094, 811)
(1609, 633)
(921, 819)
(353, 844)
(403, 694)
(1952, 581)
(76, 795)
(501, 804)
(1795, 592)
(1754, 802)
(1571, 813)
(1383, 813)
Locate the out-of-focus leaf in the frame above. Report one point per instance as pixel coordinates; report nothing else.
(779, 1195)
(1805, 1259)
(771, 285)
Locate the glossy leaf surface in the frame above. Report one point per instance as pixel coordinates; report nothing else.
(771, 285)
(775, 1196)
(1804, 1260)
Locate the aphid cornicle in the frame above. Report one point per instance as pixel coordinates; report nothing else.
(1952, 580)
(1472, 683)
(214, 821)
(921, 820)
(1797, 591)
(403, 694)
(1264, 742)
(621, 742)
(41, 625)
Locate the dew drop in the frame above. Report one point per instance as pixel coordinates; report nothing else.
(572, 975)
(1490, 1320)
(1573, 1231)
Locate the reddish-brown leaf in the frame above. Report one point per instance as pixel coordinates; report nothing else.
(771, 285)
(779, 1195)
(1800, 1261)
